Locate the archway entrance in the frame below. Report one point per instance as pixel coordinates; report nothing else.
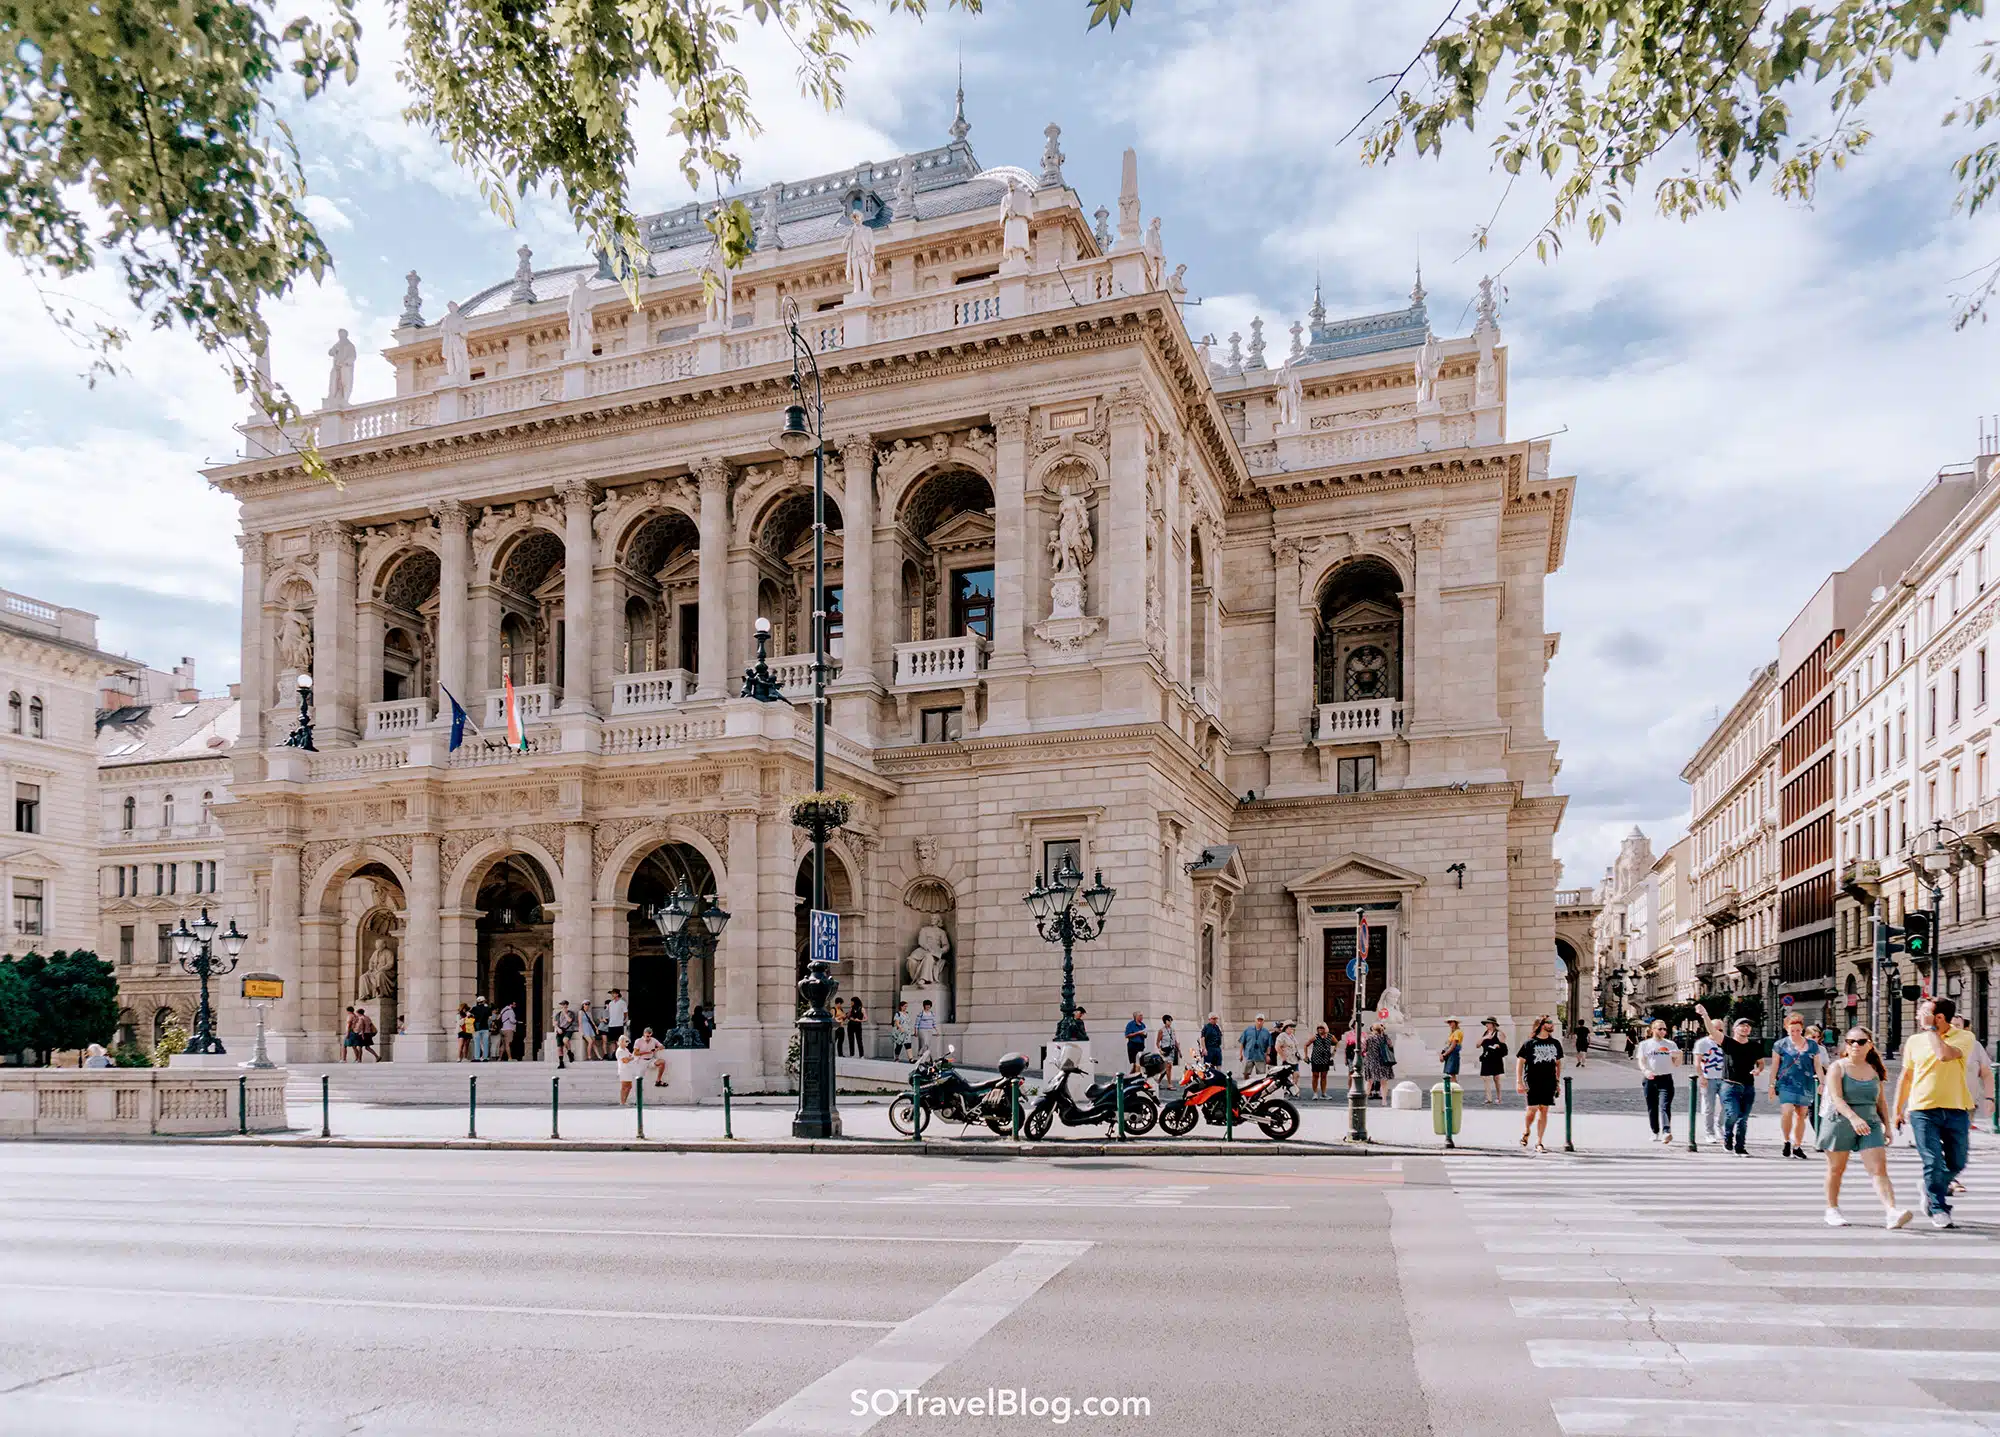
(654, 995)
(517, 946)
(1570, 967)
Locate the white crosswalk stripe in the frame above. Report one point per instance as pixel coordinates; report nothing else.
(1654, 1296)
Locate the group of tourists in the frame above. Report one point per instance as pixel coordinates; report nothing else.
(496, 1033)
(359, 1041)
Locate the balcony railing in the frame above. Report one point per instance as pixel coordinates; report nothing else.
(1724, 908)
(940, 663)
(651, 692)
(795, 673)
(650, 735)
(399, 717)
(538, 701)
(1371, 438)
(1576, 898)
(357, 762)
(1358, 720)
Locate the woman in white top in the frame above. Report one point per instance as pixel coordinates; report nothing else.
(1656, 1059)
(631, 1069)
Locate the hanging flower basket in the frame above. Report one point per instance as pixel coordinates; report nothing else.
(822, 812)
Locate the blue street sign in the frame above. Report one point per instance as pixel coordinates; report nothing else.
(1357, 969)
(825, 936)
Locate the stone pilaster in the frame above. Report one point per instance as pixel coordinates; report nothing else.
(713, 680)
(573, 956)
(333, 634)
(857, 561)
(256, 643)
(579, 573)
(419, 986)
(1123, 598)
(454, 567)
(1011, 601)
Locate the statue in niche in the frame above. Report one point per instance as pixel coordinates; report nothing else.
(457, 357)
(295, 642)
(340, 380)
(1071, 544)
(860, 252)
(925, 962)
(581, 323)
(378, 979)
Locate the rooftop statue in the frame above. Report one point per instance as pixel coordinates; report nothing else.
(860, 252)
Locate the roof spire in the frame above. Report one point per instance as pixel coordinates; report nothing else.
(959, 128)
(1318, 310)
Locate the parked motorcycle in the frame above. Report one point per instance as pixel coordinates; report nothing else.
(1263, 1101)
(1099, 1104)
(948, 1095)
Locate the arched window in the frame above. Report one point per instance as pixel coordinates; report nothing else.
(131, 813)
(167, 811)
(1358, 643)
(14, 713)
(638, 636)
(207, 807)
(35, 718)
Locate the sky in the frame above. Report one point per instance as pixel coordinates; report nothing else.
(1746, 400)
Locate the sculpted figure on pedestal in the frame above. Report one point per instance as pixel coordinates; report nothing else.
(340, 381)
(860, 252)
(378, 979)
(1071, 544)
(457, 359)
(295, 642)
(580, 320)
(925, 962)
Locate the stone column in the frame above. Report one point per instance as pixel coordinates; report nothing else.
(1011, 600)
(573, 972)
(736, 994)
(333, 633)
(579, 573)
(857, 558)
(454, 565)
(418, 988)
(713, 680)
(284, 945)
(1288, 645)
(1122, 599)
(255, 690)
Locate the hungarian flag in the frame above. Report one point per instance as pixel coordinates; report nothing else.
(517, 734)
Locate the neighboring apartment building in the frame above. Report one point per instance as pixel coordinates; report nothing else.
(51, 671)
(1621, 935)
(1733, 843)
(163, 771)
(1914, 690)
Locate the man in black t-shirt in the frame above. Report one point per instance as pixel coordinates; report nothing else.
(482, 1041)
(1742, 1059)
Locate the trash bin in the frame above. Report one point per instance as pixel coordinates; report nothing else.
(1438, 1105)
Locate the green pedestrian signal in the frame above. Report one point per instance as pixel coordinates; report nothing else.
(1917, 933)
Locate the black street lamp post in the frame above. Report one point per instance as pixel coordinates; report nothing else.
(301, 736)
(1936, 852)
(803, 432)
(195, 949)
(1059, 920)
(690, 925)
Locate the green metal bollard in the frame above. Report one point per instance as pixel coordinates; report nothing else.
(1014, 1108)
(242, 1106)
(1569, 1132)
(1694, 1114)
(1228, 1108)
(640, 1087)
(916, 1108)
(555, 1108)
(472, 1108)
(325, 1108)
(727, 1130)
(1118, 1101)
(1447, 1112)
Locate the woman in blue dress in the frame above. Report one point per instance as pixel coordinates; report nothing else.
(1855, 1119)
(1796, 1063)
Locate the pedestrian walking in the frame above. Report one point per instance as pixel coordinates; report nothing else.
(1742, 1060)
(1253, 1049)
(1854, 1118)
(1211, 1041)
(1319, 1056)
(856, 1016)
(1934, 1097)
(1492, 1060)
(482, 1035)
(1453, 1050)
(840, 1028)
(1711, 1067)
(1135, 1041)
(614, 1018)
(1583, 1044)
(464, 1032)
(1378, 1060)
(350, 1042)
(1285, 1046)
(565, 1034)
(1796, 1064)
(1168, 1042)
(365, 1030)
(905, 1026)
(586, 1028)
(1656, 1059)
(926, 1030)
(1537, 1076)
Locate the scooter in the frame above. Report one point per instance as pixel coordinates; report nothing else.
(1099, 1104)
(946, 1094)
(1262, 1101)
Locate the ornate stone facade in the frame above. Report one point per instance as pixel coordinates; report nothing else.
(1095, 599)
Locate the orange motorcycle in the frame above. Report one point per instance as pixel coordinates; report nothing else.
(1263, 1101)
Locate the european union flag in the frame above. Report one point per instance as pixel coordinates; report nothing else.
(457, 719)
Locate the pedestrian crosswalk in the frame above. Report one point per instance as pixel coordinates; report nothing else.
(1656, 1297)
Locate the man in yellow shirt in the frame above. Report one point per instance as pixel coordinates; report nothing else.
(1935, 1098)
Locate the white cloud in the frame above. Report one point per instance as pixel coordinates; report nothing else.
(326, 214)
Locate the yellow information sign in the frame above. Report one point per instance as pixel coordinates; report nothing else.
(263, 985)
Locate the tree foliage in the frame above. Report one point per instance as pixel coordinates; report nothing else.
(18, 1019)
(67, 1000)
(1709, 96)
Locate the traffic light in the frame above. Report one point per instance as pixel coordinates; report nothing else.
(1917, 933)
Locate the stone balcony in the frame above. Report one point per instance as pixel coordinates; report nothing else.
(795, 673)
(1724, 909)
(941, 663)
(651, 692)
(396, 718)
(1357, 721)
(537, 701)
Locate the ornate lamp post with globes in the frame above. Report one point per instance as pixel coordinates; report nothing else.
(195, 949)
(690, 925)
(1058, 919)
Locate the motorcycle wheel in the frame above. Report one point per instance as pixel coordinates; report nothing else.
(998, 1124)
(900, 1115)
(1178, 1119)
(1141, 1112)
(1279, 1119)
(1038, 1123)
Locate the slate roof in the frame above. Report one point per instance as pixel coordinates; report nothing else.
(151, 733)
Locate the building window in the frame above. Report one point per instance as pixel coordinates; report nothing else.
(167, 811)
(1902, 822)
(212, 887)
(1979, 679)
(1979, 568)
(173, 878)
(1357, 775)
(944, 725)
(835, 618)
(1057, 851)
(1931, 725)
(1951, 590)
(159, 879)
(972, 602)
(207, 809)
(27, 808)
(126, 934)
(1954, 698)
(1902, 735)
(35, 729)
(121, 881)
(197, 875)
(28, 898)
(166, 941)
(1902, 642)
(13, 713)
(131, 814)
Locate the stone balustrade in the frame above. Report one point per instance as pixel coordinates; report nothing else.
(346, 763)
(651, 735)
(1358, 720)
(537, 701)
(940, 663)
(1361, 439)
(139, 1102)
(396, 718)
(795, 673)
(651, 692)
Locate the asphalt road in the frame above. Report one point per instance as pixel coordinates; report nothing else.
(195, 1290)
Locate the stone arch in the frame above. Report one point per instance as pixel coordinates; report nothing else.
(461, 885)
(940, 492)
(289, 585)
(651, 974)
(322, 885)
(1069, 460)
(1358, 632)
(903, 468)
(498, 533)
(614, 872)
(379, 559)
(1328, 563)
(653, 536)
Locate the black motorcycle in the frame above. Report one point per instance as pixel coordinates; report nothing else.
(1099, 1104)
(948, 1095)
